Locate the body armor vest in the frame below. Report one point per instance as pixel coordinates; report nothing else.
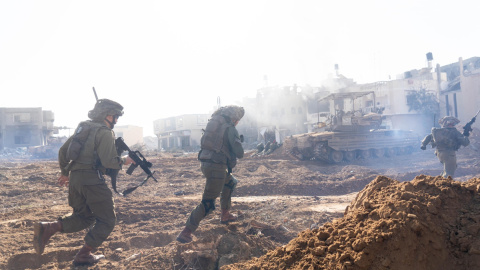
(213, 142)
(82, 147)
(445, 138)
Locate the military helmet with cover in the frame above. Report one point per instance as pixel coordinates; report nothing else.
(105, 107)
(234, 112)
(448, 121)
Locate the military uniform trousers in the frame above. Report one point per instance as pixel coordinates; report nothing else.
(92, 205)
(217, 178)
(449, 160)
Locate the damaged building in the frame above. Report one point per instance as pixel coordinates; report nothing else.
(25, 127)
(455, 87)
(459, 96)
(280, 112)
(391, 98)
(181, 132)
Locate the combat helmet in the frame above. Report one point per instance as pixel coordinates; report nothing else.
(105, 107)
(234, 112)
(448, 121)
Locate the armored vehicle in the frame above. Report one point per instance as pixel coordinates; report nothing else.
(348, 136)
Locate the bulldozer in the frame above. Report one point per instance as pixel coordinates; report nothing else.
(347, 136)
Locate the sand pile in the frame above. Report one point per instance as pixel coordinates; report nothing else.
(426, 223)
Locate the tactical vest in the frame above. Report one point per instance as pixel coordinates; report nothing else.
(445, 138)
(213, 141)
(82, 147)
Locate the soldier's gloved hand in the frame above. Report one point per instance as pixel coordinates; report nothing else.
(241, 138)
(423, 147)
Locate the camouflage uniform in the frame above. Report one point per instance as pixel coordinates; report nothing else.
(447, 141)
(216, 166)
(88, 194)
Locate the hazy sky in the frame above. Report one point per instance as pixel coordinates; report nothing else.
(166, 58)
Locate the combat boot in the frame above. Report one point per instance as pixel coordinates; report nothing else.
(85, 256)
(185, 236)
(42, 231)
(227, 217)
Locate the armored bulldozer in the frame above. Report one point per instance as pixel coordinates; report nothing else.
(350, 136)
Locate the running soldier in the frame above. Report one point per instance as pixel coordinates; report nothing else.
(447, 140)
(83, 160)
(220, 147)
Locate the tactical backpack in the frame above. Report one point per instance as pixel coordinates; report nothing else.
(80, 141)
(445, 138)
(212, 141)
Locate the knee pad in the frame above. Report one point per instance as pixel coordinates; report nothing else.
(209, 206)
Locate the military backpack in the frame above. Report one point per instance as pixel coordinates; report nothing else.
(83, 141)
(213, 143)
(445, 138)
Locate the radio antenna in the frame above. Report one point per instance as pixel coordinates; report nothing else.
(95, 93)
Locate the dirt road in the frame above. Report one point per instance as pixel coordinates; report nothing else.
(277, 198)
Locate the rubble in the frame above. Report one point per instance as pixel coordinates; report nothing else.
(284, 204)
(427, 223)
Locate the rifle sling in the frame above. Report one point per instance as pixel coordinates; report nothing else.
(130, 190)
(113, 177)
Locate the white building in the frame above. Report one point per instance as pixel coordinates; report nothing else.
(460, 97)
(131, 134)
(390, 97)
(180, 132)
(24, 127)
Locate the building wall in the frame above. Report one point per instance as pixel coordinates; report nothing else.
(392, 95)
(461, 98)
(24, 127)
(469, 98)
(131, 134)
(180, 132)
(449, 103)
(284, 108)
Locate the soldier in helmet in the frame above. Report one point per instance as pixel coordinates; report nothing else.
(447, 141)
(83, 160)
(220, 147)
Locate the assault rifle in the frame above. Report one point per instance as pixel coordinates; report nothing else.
(468, 127)
(139, 160)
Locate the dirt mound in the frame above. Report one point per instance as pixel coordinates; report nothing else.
(277, 200)
(427, 223)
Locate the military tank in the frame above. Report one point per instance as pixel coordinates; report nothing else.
(351, 136)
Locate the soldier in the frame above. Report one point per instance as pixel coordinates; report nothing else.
(273, 147)
(267, 147)
(83, 166)
(260, 147)
(447, 141)
(221, 146)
